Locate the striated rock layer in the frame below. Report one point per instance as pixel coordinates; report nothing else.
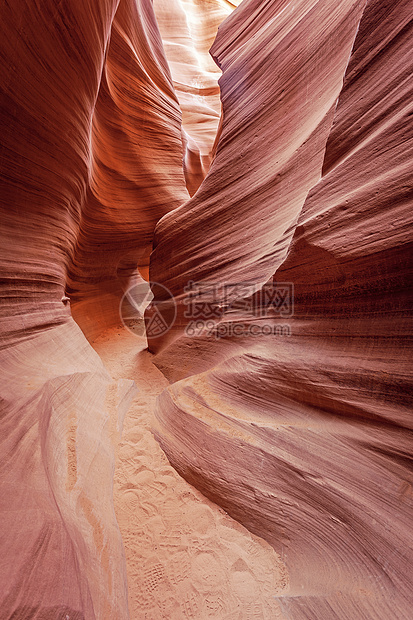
(90, 159)
(136, 168)
(306, 439)
(238, 226)
(59, 536)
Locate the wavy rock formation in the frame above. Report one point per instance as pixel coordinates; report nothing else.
(136, 168)
(306, 439)
(60, 539)
(91, 158)
(254, 194)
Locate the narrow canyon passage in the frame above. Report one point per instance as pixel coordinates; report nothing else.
(252, 458)
(185, 557)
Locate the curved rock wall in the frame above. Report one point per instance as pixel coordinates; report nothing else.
(52, 60)
(306, 438)
(136, 168)
(90, 159)
(60, 540)
(280, 62)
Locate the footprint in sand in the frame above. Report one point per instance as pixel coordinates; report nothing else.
(186, 559)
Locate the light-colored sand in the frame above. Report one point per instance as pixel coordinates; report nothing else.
(186, 558)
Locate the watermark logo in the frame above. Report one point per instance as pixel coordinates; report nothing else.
(238, 329)
(218, 309)
(161, 313)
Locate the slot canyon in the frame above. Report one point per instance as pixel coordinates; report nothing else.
(205, 316)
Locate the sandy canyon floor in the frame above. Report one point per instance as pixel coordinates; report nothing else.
(186, 558)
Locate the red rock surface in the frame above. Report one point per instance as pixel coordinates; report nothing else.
(238, 226)
(304, 439)
(90, 159)
(136, 168)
